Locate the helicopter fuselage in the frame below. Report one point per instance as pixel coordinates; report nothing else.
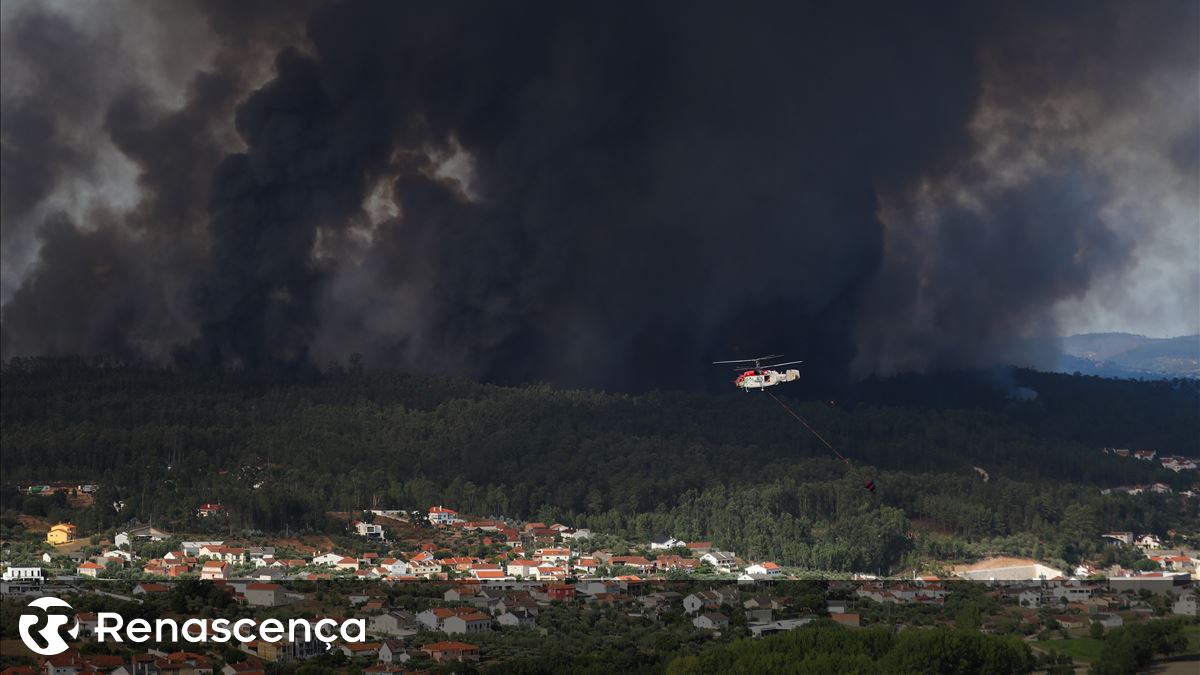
(761, 379)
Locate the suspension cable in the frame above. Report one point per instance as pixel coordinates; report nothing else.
(869, 484)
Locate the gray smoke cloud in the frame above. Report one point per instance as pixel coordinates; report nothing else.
(599, 195)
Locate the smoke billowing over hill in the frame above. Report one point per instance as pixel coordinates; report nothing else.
(603, 195)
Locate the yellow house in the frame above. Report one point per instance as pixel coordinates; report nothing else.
(61, 533)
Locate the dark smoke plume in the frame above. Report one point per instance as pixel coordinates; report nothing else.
(603, 195)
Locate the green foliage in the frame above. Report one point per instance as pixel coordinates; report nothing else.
(968, 618)
(1129, 649)
(282, 449)
(827, 648)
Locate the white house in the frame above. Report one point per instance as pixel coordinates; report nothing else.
(517, 618)
(780, 626)
(256, 553)
(268, 561)
(419, 568)
(394, 566)
(395, 622)
(666, 544)
(694, 602)
(722, 561)
(24, 574)
(522, 568)
(440, 515)
(1149, 541)
(550, 571)
(553, 555)
(1071, 593)
(215, 569)
(432, 618)
(392, 651)
(1030, 598)
(118, 554)
(90, 569)
(461, 624)
(268, 574)
(1178, 464)
(769, 569)
(711, 621)
(329, 559)
(1122, 537)
(210, 550)
(264, 595)
(369, 530)
(88, 622)
(193, 547)
(585, 565)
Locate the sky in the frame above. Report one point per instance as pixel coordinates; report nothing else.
(603, 196)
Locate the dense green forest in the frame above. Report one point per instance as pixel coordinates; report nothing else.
(827, 648)
(824, 648)
(280, 449)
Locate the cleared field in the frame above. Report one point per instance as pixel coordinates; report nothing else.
(994, 563)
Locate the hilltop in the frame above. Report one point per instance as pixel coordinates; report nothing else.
(1129, 355)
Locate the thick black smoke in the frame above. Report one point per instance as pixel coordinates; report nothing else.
(605, 194)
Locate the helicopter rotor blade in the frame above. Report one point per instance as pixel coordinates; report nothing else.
(754, 360)
(785, 363)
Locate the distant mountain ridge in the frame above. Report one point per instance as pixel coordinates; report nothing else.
(1130, 355)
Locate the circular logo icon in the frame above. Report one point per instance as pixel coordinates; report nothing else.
(47, 639)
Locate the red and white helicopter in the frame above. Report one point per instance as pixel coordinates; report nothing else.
(760, 376)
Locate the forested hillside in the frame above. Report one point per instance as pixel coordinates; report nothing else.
(280, 449)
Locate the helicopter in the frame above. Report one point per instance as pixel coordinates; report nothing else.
(760, 376)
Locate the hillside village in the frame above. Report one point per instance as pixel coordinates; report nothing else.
(399, 546)
(438, 586)
(441, 545)
(440, 589)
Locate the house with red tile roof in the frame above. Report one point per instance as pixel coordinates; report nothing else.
(207, 510)
(676, 562)
(560, 592)
(90, 569)
(490, 575)
(636, 562)
(215, 569)
(769, 569)
(440, 515)
(522, 568)
(361, 649)
(554, 555)
(442, 652)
